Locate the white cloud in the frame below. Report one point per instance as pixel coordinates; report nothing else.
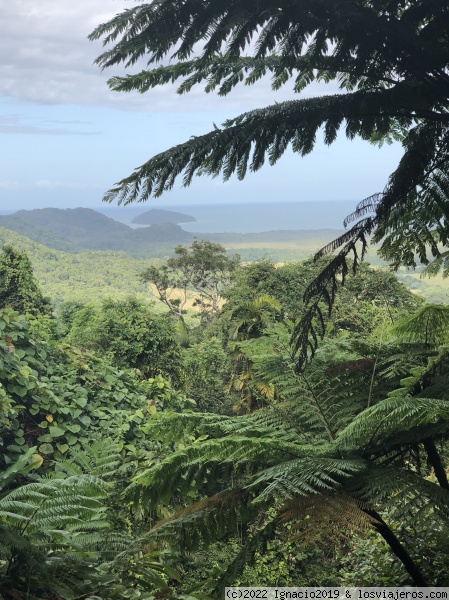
(18, 124)
(44, 52)
(46, 184)
(45, 57)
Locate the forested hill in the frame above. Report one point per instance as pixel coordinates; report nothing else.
(79, 229)
(75, 229)
(156, 215)
(83, 276)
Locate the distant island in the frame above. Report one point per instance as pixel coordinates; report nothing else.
(156, 216)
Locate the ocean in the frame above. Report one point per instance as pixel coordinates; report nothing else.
(247, 218)
(241, 218)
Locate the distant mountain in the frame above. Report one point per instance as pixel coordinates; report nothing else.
(83, 227)
(156, 215)
(35, 232)
(75, 229)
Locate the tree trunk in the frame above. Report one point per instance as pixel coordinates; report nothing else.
(435, 461)
(398, 549)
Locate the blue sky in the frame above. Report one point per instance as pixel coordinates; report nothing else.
(65, 138)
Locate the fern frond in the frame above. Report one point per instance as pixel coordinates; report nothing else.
(408, 494)
(54, 504)
(377, 428)
(310, 476)
(325, 518)
(428, 325)
(394, 211)
(204, 521)
(100, 459)
(214, 459)
(263, 423)
(254, 137)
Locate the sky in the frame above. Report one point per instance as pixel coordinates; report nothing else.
(65, 138)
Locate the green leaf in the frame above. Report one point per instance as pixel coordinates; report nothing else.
(46, 449)
(74, 428)
(172, 573)
(56, 431)
(19, 390)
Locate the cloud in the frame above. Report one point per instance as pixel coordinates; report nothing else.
(44, 52)
(18, 124)
(46, 184)
(45, 57)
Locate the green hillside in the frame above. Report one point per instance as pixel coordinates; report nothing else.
(67, 271)
(36, 232)
(73, 230)
(82, 276)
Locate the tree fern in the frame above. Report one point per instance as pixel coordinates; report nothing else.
(421, 160)
(44, 521)
(326, 517)
(378, 426)
(58, 537)
(309, 476)
(429, 325)
(214, 459)
(398, 90)
(414, 495)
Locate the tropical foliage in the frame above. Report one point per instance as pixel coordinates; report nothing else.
(138, 461)
(397, 90)
(202, 270)
(114, 481)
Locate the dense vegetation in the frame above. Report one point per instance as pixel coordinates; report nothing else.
(146, 453)
(168, 455)
(83, 276)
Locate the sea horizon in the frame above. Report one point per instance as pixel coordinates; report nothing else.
(248, 217)
(240, 218)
